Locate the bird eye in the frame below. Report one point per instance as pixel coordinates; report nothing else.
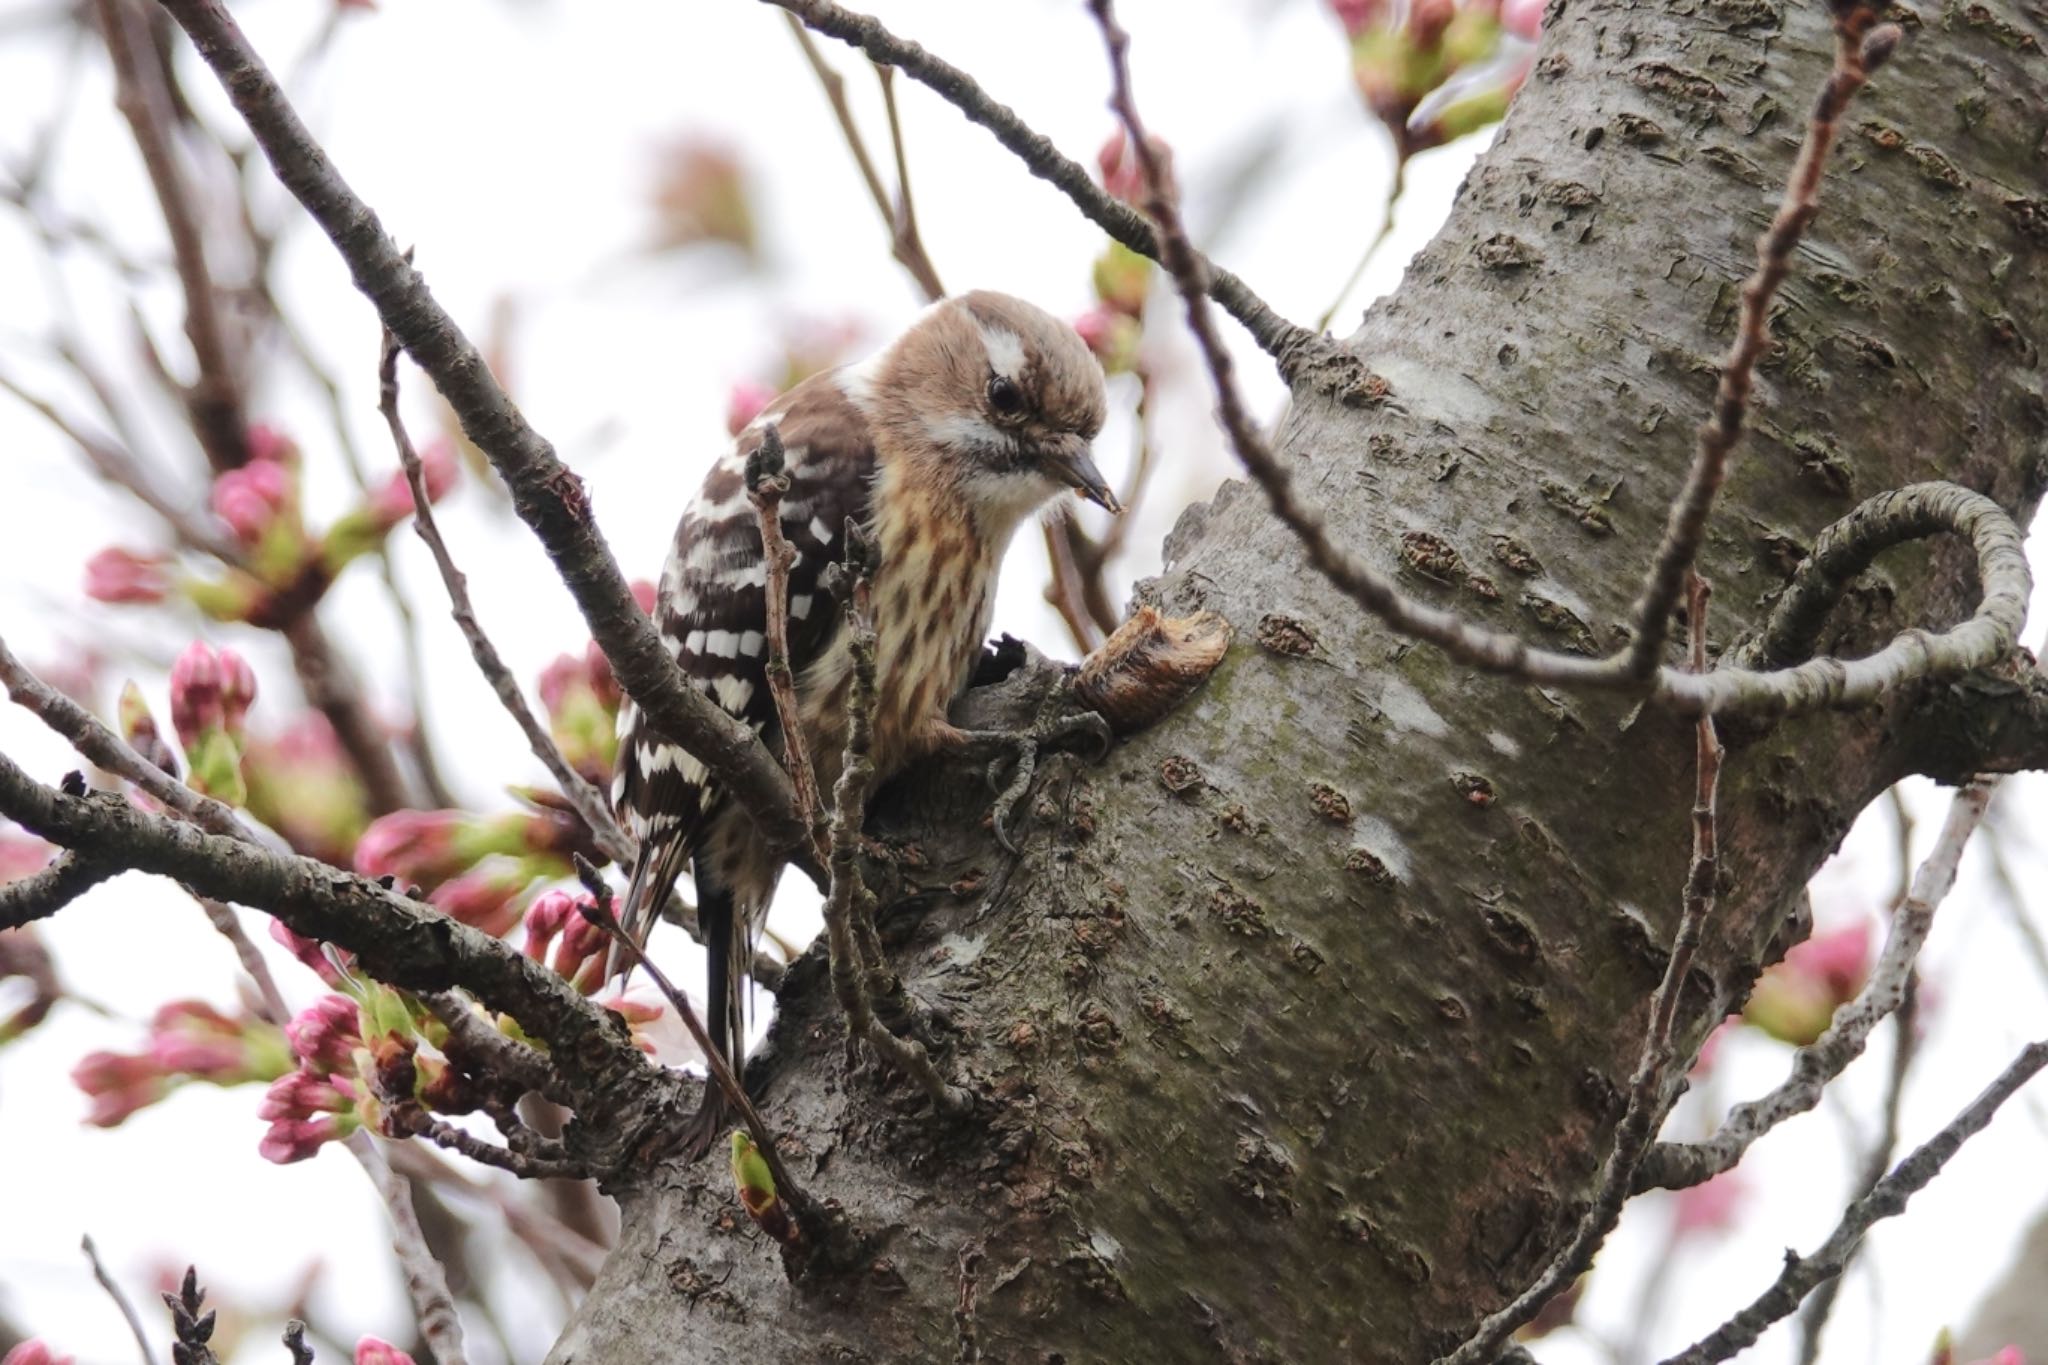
(1004, 396)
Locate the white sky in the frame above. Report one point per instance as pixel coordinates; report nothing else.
(512, 144)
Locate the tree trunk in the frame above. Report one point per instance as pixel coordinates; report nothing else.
(1301, 1026)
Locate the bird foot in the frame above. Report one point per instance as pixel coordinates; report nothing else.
(1017, 754)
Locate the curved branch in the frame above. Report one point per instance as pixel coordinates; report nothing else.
(1987, 637)
(547, 494)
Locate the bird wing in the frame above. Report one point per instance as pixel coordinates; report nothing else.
(712, 610)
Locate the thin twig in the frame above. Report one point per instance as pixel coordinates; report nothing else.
(214, 399)
(1066, 592)
(433, 1304)
(99, 1272)
(225, 923)
(119, 467)
(1813, 1318)
(1292, 347)
(1802, 1273)
(546, 494)
(907, 243)
(844, 896)
(605, 918)
(766, 484)
(1372, 247)
(1677, 1165)
(912, 256)
(1686, 528)
(414, 1120)
(587, 801)
(1646, 1093)
(472, 1038)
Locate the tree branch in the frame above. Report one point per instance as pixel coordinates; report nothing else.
(905, 243)
(107, 1282)
(1986, 637)
(214, 399)
(548, 496)
(842, 900)
(42, 894)
(396, 939)
(1294, 348)
(587, 801)
(425, 1281)
(1677, 1165)
(1802, 1273)
(766, 485)
(109, 751)
(477, 1044)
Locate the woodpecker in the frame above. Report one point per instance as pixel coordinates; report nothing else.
(938, 448)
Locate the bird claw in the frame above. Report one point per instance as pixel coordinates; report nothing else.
(1020, 760)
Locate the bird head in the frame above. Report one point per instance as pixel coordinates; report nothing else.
(1002, 398)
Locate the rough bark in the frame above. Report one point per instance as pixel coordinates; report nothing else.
(1300, 1027)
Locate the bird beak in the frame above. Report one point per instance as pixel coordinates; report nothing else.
(1071, 463)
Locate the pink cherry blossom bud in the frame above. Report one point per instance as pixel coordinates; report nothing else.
(567, 671)
(643, 593)
(308, 951)
(1523, 18)
(603, 682)
(21, 855)
(1838, 960)
(34, 1351)
(580, 955)
(237, 690)
(116, 1085)
(484, 898)
(118, 575)
(196, 692)
(2007, 1355)
(375, 1351)
(301, 1095)
(744, 403)
(545, 920)
(267, 444)
(250, 499)
(1112, 334)
(326, 1034)
(1119, 169)
(413, 845)
(1710, 1207)
(638, 1014)
(439, 468)
(292, 1140)
(1356, 15)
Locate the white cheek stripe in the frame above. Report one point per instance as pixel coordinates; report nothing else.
(967, 431)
